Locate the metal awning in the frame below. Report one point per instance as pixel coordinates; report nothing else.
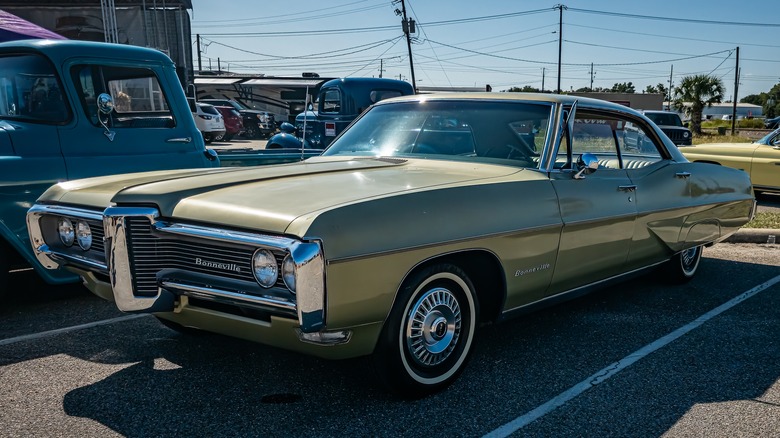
(285, 82)
(218, 81)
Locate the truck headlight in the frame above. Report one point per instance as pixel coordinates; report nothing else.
(264, 268)
(288, 272)
(83, 235)
(66, 232)
(686, 134)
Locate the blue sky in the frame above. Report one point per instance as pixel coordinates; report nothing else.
(472, 43)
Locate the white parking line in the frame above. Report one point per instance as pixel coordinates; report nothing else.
(70, 329)
(611, 370)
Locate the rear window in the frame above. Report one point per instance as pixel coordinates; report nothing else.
(31, 90)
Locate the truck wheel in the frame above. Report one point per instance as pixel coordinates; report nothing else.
(227, 137)
(426, 341)
(208, 138)
(5, 265)
(251, 131)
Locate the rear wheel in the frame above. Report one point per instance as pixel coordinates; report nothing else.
(427, 339)
(227, 137)
(251, 131)
(683, 266)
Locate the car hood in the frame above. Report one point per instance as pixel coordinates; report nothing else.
(271, 198)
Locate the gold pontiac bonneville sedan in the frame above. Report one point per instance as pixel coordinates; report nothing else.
(428, 216)
(760, 159)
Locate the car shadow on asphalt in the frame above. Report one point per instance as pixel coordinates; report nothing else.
(210, 384)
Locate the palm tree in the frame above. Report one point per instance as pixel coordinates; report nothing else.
(696, 93)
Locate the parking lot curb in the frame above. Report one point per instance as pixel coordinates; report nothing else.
(755, 235)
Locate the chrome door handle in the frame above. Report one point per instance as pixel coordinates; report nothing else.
(627, 188)
(683, 175)
(179, 140)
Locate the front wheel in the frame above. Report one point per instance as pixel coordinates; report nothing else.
(427, 339)
(683, 266)
(251, 131)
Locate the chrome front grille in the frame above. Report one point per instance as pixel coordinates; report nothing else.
(152, 252)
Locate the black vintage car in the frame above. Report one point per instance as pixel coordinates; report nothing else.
(257, 124)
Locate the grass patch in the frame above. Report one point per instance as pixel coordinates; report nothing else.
(764, 220)
(712, 138)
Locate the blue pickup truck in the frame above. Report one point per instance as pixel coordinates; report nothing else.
(76, 109)
(339, 102)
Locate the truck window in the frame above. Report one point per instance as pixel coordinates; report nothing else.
(138, 97)
(30, 90)
(331, 101)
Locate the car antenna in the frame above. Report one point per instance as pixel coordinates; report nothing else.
(305, 116)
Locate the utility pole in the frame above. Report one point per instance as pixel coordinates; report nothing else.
(669, 97)
(591, 77)
(381, 66)
(408, 27)
(560, 42)
(197, 39)
(543, 69)
(736, 89)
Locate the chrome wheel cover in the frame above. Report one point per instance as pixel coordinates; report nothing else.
(690, 259)
(433, 327)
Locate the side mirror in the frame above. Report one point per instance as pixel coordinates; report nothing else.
(587, 163)
(105, 104)
(685, 124)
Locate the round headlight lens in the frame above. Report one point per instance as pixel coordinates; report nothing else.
(264, 267)
(685, 134)
(288, 272)
(83, 235)
(65, 229)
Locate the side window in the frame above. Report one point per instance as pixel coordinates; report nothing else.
(618, 143)
(31, 90)
(139, 101)
(377, 95)
(331, 102)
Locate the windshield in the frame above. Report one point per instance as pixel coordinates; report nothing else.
(492, 131)
(767, 139)
(665, 119)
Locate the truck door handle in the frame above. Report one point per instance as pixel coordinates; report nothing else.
(179, 140)
(683, 175)
(631, 188)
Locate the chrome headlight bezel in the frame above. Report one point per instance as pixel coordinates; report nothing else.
(265, 268)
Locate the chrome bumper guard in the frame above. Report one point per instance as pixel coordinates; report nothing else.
(308, 303)
(46, 255)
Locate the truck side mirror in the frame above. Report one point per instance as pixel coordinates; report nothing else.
(105, 104)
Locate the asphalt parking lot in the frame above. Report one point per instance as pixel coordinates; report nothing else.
(638, 359)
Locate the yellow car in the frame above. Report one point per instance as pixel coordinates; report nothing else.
(761, 159)
(428, 216)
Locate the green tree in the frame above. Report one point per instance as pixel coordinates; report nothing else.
(524, 89)
(658, 89)
(771, 104)
(696, 93)
(755, 99)
(624, 87)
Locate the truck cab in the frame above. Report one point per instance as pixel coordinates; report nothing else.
(77, 109)
(340, 101)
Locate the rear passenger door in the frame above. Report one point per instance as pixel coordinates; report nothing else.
(145, 131)
(662, 195)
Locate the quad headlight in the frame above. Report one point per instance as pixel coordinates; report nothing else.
(264, 268)
(66, 231)
(288, 272)
(83, 235)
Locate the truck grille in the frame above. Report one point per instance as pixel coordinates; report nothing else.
(151, 252)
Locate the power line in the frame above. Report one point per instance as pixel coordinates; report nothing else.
(674, 19)
(676, 38)
(294, 20)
